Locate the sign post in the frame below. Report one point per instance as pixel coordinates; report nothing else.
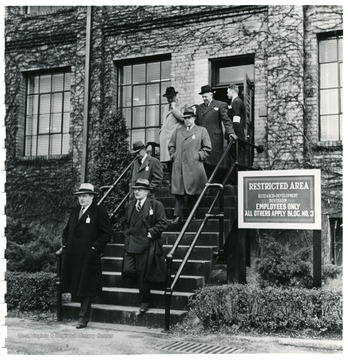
(282, 199)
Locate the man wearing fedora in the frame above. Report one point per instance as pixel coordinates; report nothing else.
(145, 167)
(189, 146)
(146, 220)
(87, 232)
(211, 115)
(171, 120)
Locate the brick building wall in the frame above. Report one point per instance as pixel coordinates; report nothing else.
(283, 43)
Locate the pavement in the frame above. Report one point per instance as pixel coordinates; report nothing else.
(32, 337)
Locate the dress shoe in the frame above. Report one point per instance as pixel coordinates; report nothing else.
(81, 326)
(177, 220)
(143, 308)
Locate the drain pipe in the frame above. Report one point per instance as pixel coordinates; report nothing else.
(86, 97)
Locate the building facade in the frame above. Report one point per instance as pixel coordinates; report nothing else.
(68, 68)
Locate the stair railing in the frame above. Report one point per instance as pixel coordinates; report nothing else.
(109, 188)
(209, 215)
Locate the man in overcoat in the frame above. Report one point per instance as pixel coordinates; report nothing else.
(212, 114)
(145, 167)
(171, 119)
(189, 146)
(146, 220)
(85, 235)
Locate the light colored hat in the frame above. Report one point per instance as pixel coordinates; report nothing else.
(85, 188)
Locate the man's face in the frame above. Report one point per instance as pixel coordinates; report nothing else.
(189, 121)
(85, 199)
(141, 153)
(230, 93)
(207, 98)
(140, 194)
(171, 99)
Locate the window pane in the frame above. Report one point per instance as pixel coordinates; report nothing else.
(126, 77)
(154, 72)
(65, 145)
(328, 75)
(126, 92)
(57, 102)
(138, 73)
(56, 143)
(29, 125)
(44, 122)
(45, 83)
(28, 146)
(153, 94)
(329, 128)
(329, 101)
(340, 49)
(45, 104)
(341, 74)
(138, 135)
(328, 50)
(56, 123)
(42, 145)
(139, 95)
(57, 82)
(152, 135)
(139, 117)
(152, 116)
(127, 113)
(67, 81)
(67, 103)
(227, 75)
(66, 122)
(33, 85)
(165, 70)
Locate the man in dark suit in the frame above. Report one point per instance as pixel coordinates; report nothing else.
(145, 167)
(87, 232)
(146, 220)
(211, 114)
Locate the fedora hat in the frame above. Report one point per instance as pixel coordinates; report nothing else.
(170, 91)
(85, 188)
(137, 146)
(142, 184)
(206, 89)
(189, 112)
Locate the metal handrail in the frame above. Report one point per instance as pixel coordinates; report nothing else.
(169, 258)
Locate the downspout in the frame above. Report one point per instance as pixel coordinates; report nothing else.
(86, 98)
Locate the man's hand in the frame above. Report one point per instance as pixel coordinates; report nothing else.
(233, 136)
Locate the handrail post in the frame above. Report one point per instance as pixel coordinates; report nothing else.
(59, 294)
(168, 292)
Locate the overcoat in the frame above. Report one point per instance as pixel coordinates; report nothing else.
(81, 265)
(211, 117)
(150, 169)
(171, 120)
(188, 149)
(237, 108)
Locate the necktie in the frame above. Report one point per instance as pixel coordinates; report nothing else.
(188, 128)
(138, 206)
(81, 211)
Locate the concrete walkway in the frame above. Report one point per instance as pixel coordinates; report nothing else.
(32, 337)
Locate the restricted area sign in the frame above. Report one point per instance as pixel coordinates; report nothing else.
(279, 199)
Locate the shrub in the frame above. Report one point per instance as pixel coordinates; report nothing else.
(269, 309)
(31, 291)
(31, 247)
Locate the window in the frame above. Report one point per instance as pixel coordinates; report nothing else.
(47, 114)
(336, 248)
(331, 82)
(140, 90)
(36, 10)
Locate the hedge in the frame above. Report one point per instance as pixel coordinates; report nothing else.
(269, 309)
(31, 291)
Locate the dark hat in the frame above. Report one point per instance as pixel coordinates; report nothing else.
(137, 146)
(189, 112)
(206, 89)
(85, 189)
(142, 184)
(170, 91)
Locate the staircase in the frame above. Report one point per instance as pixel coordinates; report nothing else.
(119, 300)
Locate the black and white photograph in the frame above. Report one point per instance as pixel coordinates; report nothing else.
(172, 179)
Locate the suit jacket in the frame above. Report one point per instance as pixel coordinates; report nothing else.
(211, 118)
(152, 218)
(188, 151)
(81, 265)
(150, 169)
(237, 108)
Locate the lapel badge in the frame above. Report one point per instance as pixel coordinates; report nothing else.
(88, 220)
(216, 108)
(147, 168)
(151, 211)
